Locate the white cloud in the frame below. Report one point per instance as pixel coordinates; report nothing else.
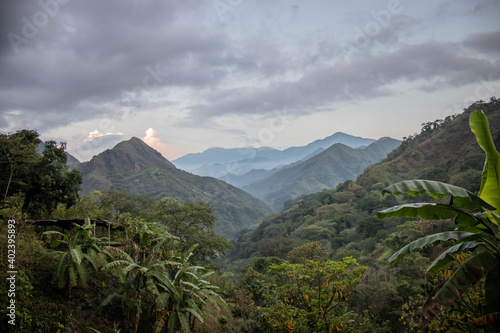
(168, 151)
(96, 134)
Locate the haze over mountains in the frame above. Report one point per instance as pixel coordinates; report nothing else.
(266, 174)
(275, 176)
(220, 162)
(323, 171)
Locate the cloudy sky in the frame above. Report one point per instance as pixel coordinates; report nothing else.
(188, 75)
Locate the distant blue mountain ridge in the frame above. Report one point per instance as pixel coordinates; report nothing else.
(221, 162)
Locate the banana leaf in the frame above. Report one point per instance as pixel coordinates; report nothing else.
(465, 276)
(460, 197)
(490, 185)
(429, 211)
(492, 290)
(446, 257)
(421, 242)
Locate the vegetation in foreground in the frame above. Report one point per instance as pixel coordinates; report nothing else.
(319, 266)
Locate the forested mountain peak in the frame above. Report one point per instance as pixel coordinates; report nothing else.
(137, 168)
(133, 154)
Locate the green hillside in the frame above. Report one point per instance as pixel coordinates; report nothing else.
(344, 220)
(137, 168)
(321, 172)
(445, 150)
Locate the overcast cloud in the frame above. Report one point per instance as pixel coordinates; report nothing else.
(195, 74)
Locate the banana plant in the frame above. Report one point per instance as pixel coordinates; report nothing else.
(178, 290)
(139, 276)
(477, 226)
(81, 250)
(185, 294)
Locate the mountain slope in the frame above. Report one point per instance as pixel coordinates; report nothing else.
(344, 219)
(134, 166)
(320, 172)
(445, 150)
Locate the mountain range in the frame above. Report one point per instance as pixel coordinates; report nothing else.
(266, 177)
(321, 172)
(344, 219)
(276, 176)
(135, 167)
(221, 162)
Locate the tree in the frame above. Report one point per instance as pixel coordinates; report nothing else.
(116, 203)
(477, 228)
(17, 157)
(42, 180)
(312, 296)
(192, 223)
(309, 251)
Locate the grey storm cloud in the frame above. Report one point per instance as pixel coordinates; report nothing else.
(442, 64)
(488, 42)
(96, 53)
(90, 60)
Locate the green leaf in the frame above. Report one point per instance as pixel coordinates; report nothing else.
(466, 275)
(172, 323)
(86, 222)
(492, 290)
(190, 284)
(167, 282)
(82, 272)
(446, 257)
(490, 185)
(53, 232)
(184, 322)
(115, 263)
(56, 243)
(429, 211)
(109, 298)
(121, 253)
(91, 261)
(61, 268)
(421, 242)
(151, 286)
(461, 197)
(195, 313)
(73, 278)
(76, 255)
(130, 267)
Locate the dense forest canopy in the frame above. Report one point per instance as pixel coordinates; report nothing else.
(319, 265)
